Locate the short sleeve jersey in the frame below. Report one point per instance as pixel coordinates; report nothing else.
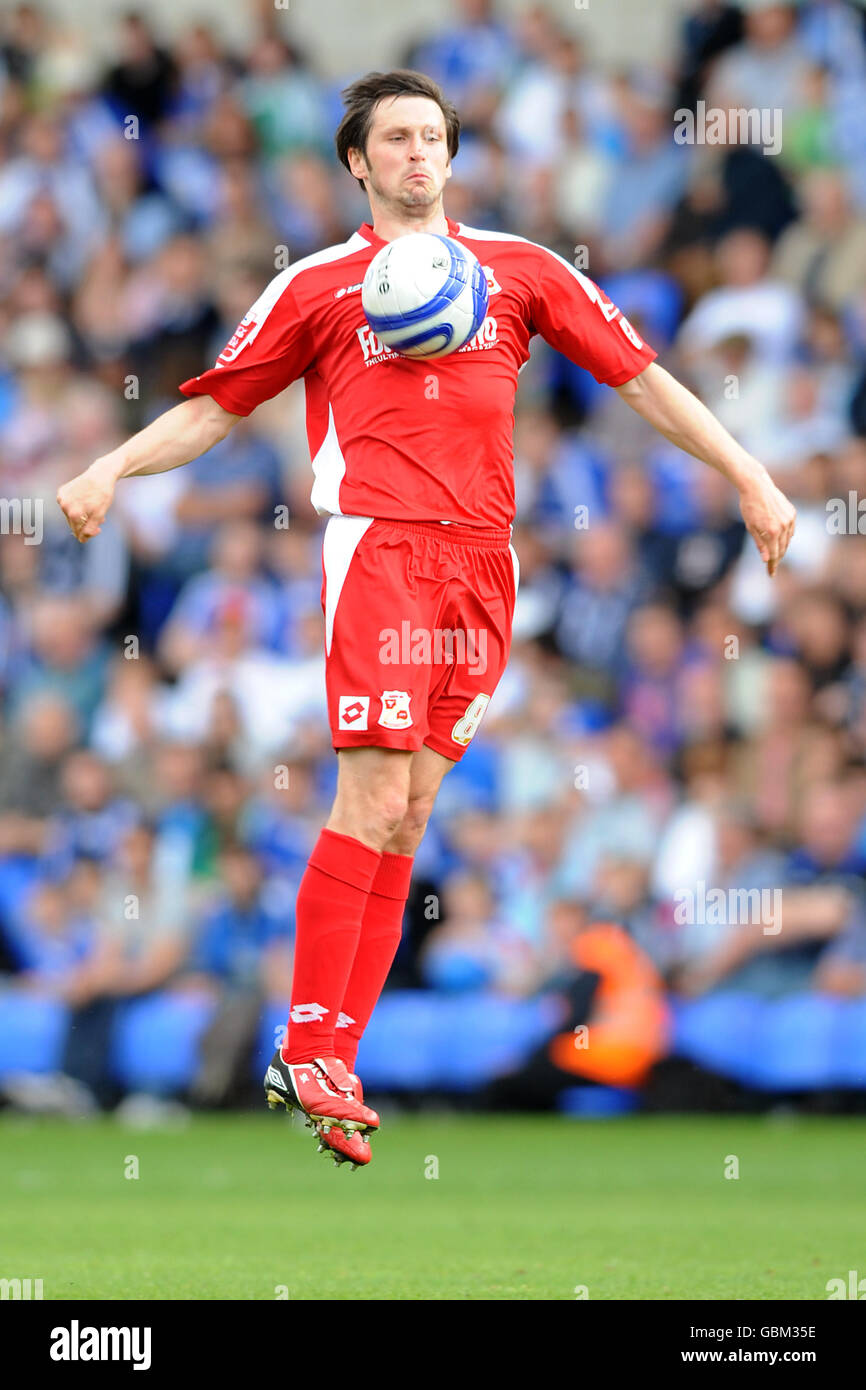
(403, 438)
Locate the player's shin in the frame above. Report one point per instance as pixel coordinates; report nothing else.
(377, 945)
(330, 907)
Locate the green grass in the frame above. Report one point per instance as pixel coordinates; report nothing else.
(524, 1208)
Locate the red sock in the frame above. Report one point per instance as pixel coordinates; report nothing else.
(377, 947)
(328, 914)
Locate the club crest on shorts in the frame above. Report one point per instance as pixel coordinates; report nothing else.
(395, 710)
(465, 728)
(354, 711)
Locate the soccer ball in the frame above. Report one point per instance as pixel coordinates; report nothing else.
(424, 295)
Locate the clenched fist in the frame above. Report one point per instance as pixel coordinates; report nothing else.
(85, 500)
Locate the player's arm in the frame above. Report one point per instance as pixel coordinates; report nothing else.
(677, 414)
(175, 438)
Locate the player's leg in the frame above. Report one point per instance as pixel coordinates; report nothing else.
(382, 583)
(381, 930)
(477, 611)
(372, 796)
(373, 787)
(477, 608)
(376, 707)
(383, 915)
(371, 800)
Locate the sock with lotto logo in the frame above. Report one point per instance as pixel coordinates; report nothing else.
(377, 947)
(330, 907)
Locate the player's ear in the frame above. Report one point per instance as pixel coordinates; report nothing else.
(357, 163)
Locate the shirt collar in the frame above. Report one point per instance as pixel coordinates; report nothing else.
(366, 231)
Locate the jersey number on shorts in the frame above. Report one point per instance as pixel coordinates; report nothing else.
(465, 728)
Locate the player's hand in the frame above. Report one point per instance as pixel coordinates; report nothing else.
(769, 517)
(85, 500)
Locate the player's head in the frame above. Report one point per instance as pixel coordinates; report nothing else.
(398, 124)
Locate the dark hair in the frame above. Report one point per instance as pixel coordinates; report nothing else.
(361, 98)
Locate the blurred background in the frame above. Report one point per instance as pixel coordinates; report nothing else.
(671, 723)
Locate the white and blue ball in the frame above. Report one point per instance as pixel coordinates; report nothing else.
(424, 295)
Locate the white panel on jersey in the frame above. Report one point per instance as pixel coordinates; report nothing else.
(329, 468)
(516, 565)
(484, 234)
(257, 315)
(339, 543)
(481, 234)
(608, 309)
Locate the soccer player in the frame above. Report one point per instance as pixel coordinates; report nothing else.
(413, 465)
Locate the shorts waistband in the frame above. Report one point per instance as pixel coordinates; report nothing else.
(451, 531)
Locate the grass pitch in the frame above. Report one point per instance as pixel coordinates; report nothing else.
(242, 1207)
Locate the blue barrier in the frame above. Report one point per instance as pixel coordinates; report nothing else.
(718, 1031)
(418, 1040)
(597, 1102)
(421, 1040)
(156, 1041)
(794, 1044)
(849, 1044)
(32, 1030)
(798, 1043)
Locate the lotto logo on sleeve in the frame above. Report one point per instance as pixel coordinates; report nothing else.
(354, 711)
(395, 710)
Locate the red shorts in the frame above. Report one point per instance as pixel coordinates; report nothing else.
(417, 630)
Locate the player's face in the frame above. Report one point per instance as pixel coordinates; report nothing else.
(407, 161)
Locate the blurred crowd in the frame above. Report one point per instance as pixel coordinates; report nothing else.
(670, 717)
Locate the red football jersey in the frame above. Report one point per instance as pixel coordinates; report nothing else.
(402, 438)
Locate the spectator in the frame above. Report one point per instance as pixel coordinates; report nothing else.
(595, 608)
(242, 959)
(746, 302)
(143, 81)
(472, 949)
(284, 102)
(768, 68)
(31, 771)
(472, 59)
(823, 252)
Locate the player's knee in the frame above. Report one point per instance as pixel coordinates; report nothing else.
(410, 832)
(418, 813)
(370, 813)
(390, 813)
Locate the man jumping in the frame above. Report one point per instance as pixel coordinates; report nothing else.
(418, 484)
